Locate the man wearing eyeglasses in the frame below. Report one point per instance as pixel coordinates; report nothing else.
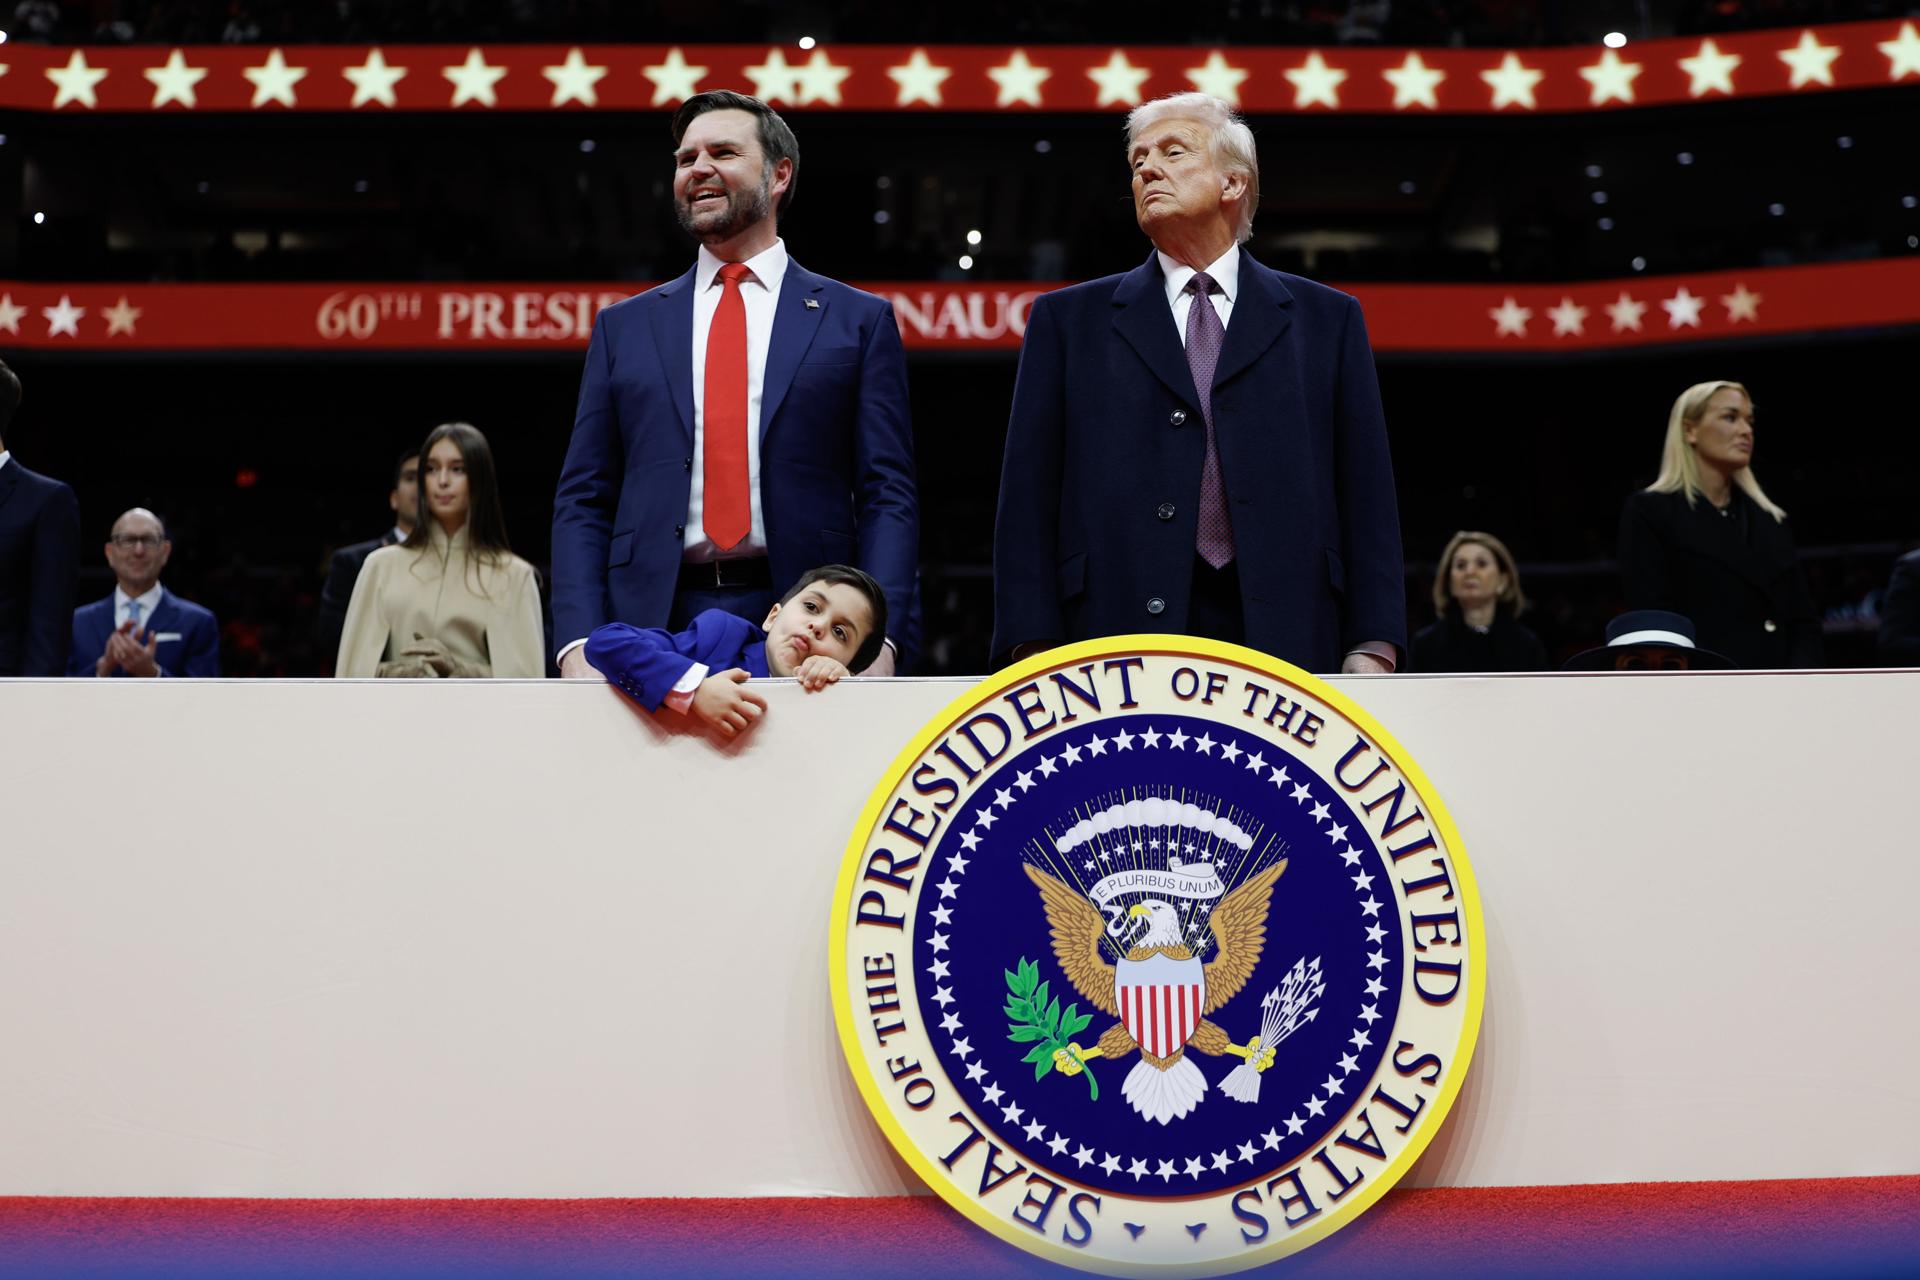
(142, 629)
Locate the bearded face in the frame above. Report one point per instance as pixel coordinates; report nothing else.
(722, 183)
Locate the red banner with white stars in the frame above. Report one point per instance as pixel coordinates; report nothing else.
(1544, 318)
(1266, 79)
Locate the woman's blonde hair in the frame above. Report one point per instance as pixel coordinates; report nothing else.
(1511, 596)
(1680, 466)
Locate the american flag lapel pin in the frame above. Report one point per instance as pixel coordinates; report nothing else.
(813, 304)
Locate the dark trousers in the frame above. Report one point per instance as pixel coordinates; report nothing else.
(1214, 609)
(750, 603)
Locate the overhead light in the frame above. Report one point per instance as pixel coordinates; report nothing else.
(1685, 157)
(1599, 197)
(39, 218)
(1407, 188)
(1639, 264)
(3, 37)
(1605, 224)
(806, 42)
(1909, 202)
(1777, 209)
(587, 145)
(881, 217)
(1844, 142)
(966, 262)
(1043, 146)
(1593, 171)
(1614, 40)
(973, 237)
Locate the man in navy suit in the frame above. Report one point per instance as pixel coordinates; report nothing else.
(39, 558)
(1197, 446)
(142, 629)
(344, 570)
(736, 426)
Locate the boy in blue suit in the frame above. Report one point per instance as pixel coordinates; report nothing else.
(831, 622)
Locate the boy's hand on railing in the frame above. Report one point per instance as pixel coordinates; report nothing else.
(725, 702)
(819, 671)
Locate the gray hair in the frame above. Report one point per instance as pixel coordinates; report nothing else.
(1229, 140)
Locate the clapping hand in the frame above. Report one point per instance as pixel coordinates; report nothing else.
(126, 651)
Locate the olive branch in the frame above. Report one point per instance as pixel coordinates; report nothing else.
(1036, 1018)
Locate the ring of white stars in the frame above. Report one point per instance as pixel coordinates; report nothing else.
(1324, 1096)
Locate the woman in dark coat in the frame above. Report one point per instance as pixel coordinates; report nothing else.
(1704, 539)
(1476, 593)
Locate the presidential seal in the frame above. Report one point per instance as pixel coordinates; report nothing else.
(1156, 955)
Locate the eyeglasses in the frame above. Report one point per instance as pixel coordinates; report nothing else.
(128, 541)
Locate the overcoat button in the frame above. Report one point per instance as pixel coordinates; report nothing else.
(1178, 417)
(1165, 511)
(1156, 605)
(687, 464)
(1770, 625)
(679, 531)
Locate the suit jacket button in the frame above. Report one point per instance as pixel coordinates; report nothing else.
(1178, 417)
(1156, 605)
(1770, 625)
(1165, 511)
(687, 464)
(679, 531)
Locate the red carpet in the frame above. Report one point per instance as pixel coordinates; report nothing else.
(1847, 1226)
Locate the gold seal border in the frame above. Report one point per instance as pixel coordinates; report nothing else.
(1158, 646)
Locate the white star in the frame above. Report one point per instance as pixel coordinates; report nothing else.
(120, 317)
(1300, 792)
(1351, 856)
(1106, 855)
(1510, 318)
(950, 1023)
(1088, 865)
(1625, 313)
(1110, 1165)
(1178, 741)
(1683, 309)
(1315, 82)
(919, 80)
(574, 80)
(1230, 752)
(1218, 78)
(947, 888)
(820, 79)
(1371, 1014)
(943, 996)
(1359, 1040)
(1741, 304)
(1363, 881)
(1375, 986)
(1376, 959)
(1512, 83)
(1024, 781)
(1610, 78)
(1166, 1171)
(674, 80)
(1371, 906)
(985, 818)
(1272, 1139)
(1414, 83)
(1281, 778)
(1221, 1160)
(1194, 1167)
(1812, 62)
(1047, 767)
(975, 1070)
(1204, 744)
(1294, 1125)
(957, 863)
(969, 840)
(473, 80)
(961, 1048)
(1096, 745)
(273, 80)
(1019, 80)
(1336, 833)
(1903, 52)
(1071, 755)
(1256, 762)
(1246, 1152)
(1349, 1063)
(10, 313)
(1567, 318)
(1082, 1156)
(1123, 740)
(1315, 1106)
(1318, 812)
(1333, 1086)
(373, 80)
(75, 81)
(1709, 71)
(775, 81)
(174, 82)
(1138, 1168)
(938, 941)
(1004, 797)
(1034, 1129)
(991, 1093)
(1058, 1145)
(63, 317)
(939, 969)
(1375, 933)
(1151, 737)
(1119, 81)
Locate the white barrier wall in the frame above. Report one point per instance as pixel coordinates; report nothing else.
(514, 939)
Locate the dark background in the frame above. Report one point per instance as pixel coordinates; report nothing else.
(261, 466)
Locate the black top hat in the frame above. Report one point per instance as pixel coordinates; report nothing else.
(1645, 630)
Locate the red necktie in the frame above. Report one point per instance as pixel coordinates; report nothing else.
(726, 513)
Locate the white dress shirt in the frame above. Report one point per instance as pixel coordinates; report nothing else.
(122, 607)
(760, 292)
(4, 455)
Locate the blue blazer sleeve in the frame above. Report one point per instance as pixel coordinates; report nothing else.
(91, 624)
(646, 662)
(584, 502)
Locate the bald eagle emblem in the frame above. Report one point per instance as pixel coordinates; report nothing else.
(1160, 991)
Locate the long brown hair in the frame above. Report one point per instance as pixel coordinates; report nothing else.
(486, 524)
(1511, 600)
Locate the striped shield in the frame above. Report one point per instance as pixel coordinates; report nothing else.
(1160, 1000)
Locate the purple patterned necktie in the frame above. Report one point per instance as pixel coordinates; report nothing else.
(1213, 538)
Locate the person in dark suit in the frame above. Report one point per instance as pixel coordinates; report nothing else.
(39, 558)
(1477, 597)
(1900, 614)
(344, 570)
(1704, 540)
(142, 629)
(1197, 446)
(738, 425)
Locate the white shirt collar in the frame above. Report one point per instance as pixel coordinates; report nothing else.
(768, 267)
(148, 602)
(1223, 270)
(4, 455)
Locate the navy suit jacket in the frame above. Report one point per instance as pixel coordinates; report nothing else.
(645, 663)
(39, 563)
(189, 638)
(836, 453)
(1100, 493)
